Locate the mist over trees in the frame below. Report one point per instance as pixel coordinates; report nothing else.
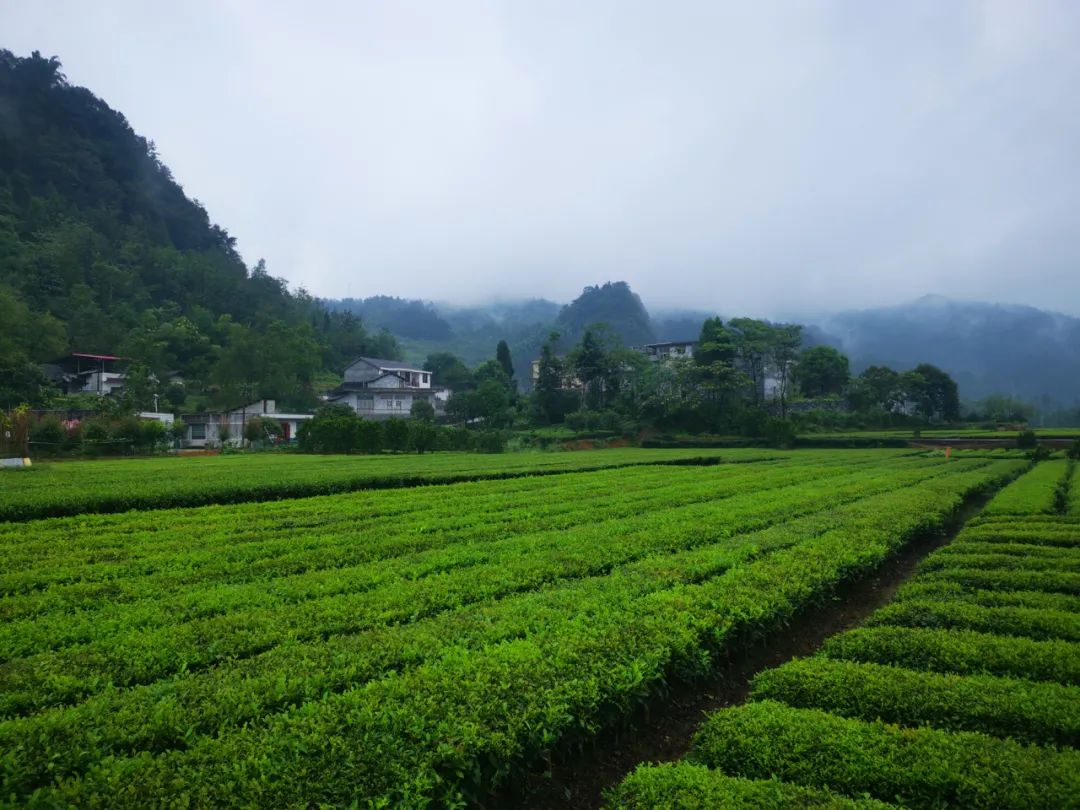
(405, 318)
(745, 377)
(101, 251)
(612, 303)
(949, 335)
(988, 348)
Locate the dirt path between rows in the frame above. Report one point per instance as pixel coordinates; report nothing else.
(664, 733)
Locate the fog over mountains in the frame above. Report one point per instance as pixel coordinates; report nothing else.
(988, 348)
(102, 251)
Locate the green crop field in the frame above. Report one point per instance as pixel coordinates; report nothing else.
(962, 433)
(76, 487)
(415, 646)
(963, 692)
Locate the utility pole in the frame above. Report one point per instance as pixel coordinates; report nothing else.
(246, 390)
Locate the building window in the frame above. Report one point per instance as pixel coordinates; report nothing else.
(365, 402)
(198, 431)
(425, 378)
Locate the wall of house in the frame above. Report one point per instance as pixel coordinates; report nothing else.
(388, 381)
(261, 407)
(387, 404)
(663, 353)
(103, 382)
(201, 434)
(236, 422)
(361, 372)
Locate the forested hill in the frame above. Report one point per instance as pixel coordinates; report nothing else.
(102, 251)
(987, 348)
(473, 332)
(408, 318)
(614, 304)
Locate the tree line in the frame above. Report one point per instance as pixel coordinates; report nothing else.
(745, 376)
(102, 252)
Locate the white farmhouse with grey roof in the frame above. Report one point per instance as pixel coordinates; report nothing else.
(381, 389)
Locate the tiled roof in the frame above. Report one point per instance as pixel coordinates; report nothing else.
(394, 364)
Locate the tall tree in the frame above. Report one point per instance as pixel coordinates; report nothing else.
(715, 344)
(448, 370)
(719, 382)
(782, 357)
(752, 339)
(141, 388)
(941, 398)
(547, 392)
(884, 388)
(590, 364)
(502, 355)
(822, 371)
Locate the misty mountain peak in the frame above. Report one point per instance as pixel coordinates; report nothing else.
(933, 300)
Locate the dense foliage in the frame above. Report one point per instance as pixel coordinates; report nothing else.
(745, 377)
(963, 692)
(612, 303)
(101, 251)
(405, 318)
(988, 348)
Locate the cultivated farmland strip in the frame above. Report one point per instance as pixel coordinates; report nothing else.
(464, 720)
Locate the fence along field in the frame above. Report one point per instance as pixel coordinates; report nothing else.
(963, 692)
(413, 647)
(77, 487)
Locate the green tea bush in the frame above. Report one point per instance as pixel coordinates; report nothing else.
(915, 767)
(1014, 707)
(684, 785)
(960, 651)
(1020, 621)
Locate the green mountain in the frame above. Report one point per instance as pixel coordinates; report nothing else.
(102, 251)
(471, 333)
(613, 304)
(406, 318)
(987, 348)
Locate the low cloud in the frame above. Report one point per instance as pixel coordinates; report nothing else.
(765, 158)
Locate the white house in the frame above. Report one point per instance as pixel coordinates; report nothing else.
(382, 389)
(206, 429)
(94, 374)
(662, 352)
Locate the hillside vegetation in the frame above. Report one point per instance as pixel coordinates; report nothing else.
(102, 251)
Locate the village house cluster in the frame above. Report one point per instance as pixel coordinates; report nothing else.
(375, 388)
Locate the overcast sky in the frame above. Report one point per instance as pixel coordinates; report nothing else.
(758, 158)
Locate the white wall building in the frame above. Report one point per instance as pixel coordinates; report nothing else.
(207, 429)
(385, 389)
(83, 373)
